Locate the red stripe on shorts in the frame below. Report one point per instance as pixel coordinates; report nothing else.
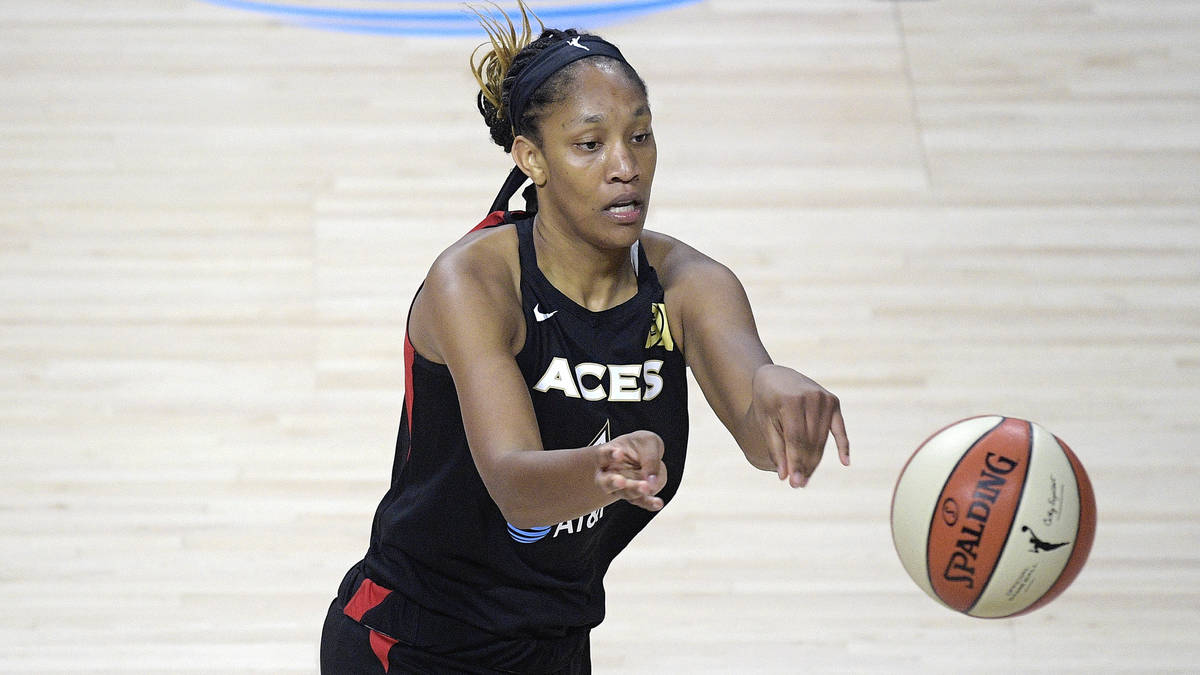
(367, 597)
(381, 645)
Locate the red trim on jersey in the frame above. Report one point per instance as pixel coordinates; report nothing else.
(409, 352)
(381, 645)
(493, 219)
(497, 218)
(367, 597)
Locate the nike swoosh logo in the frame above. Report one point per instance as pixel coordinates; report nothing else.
(539, 315)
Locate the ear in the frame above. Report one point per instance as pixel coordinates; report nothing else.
(529, 157)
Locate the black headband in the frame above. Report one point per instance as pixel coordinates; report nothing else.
(551, 60)
(548, 62)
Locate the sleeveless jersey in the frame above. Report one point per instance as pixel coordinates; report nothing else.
(438, 540)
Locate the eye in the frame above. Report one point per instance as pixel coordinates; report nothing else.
(641, 138)
(588, 146)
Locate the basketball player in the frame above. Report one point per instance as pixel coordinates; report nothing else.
(545, 414)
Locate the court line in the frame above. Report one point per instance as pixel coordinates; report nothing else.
(441, 23)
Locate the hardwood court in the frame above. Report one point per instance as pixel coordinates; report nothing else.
(212, 223)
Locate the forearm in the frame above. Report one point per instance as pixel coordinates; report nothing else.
(779, 418)
(730, 394)
(538, 488)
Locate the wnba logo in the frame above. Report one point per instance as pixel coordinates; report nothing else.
(417, 19)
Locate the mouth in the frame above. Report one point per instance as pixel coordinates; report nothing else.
(625, 208)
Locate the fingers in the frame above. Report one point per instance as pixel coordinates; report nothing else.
(633, 469)
(803, 434)
(777, 448)
(802, 459)
(637, 492)
(838, 427)
(808, 423)
(815, 407)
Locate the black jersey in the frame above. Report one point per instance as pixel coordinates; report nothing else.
(440, 542)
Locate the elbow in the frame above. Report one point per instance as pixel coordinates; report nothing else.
(521, 514)
(511, 508)
(523, 522)
(515, 505)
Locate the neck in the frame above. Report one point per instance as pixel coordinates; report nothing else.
(595, 278)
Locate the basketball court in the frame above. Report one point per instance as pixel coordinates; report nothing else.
(213, 216)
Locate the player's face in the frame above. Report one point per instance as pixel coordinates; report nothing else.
(599, 155)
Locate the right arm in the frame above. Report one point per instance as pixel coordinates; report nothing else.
(780, 418)
(468, 315)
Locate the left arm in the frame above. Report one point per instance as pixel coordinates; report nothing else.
(780, 418)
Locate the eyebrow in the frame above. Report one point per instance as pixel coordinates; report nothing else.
(642, 111)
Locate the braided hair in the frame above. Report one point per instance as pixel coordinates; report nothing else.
(511, 51)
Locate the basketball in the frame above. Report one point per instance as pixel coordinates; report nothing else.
(993, 516)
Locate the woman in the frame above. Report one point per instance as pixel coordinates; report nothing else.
(545, 417)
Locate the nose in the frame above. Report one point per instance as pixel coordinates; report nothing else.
(623, 165)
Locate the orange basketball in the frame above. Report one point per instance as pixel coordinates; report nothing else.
(993, 516)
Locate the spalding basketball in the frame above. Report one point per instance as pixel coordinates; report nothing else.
(993, 516)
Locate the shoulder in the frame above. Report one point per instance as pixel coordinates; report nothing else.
(681, 267)
(475, 284)
(696, 288)
(489, 254)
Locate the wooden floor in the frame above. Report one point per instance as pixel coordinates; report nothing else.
(212, 223)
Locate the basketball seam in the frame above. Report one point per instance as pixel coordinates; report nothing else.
(933, 515)
(1078, 522)
(1020, 498)
(1078, 519)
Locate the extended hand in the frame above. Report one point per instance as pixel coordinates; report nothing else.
(796, 416)
(631, 468)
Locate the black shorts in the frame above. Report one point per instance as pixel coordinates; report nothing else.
(447, 646)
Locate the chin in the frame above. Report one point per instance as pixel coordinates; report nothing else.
(624, 235)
